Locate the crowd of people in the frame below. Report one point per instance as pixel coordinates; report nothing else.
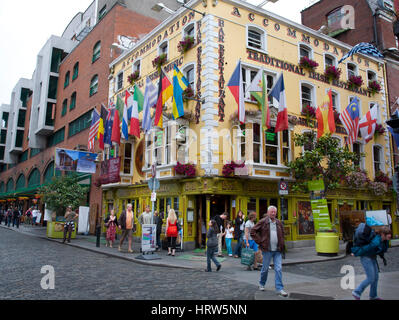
(16, 216)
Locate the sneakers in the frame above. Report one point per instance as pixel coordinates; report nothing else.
(218, 267)
(282, 293)
(355, 295)
(119, 249)
(230, 255)
(262, 288)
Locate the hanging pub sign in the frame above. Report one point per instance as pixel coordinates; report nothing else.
(73, 160)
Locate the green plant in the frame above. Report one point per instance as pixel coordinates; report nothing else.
(63, 192)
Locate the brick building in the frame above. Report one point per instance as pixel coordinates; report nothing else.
(372, 21)
(54, 108)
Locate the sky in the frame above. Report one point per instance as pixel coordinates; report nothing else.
(26, 25)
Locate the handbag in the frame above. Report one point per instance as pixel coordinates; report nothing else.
(178, 226)
(247, 256)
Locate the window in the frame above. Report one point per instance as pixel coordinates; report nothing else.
(52, 88)
(168, 145)
(305, 51)
(256, 38)
(80, 124)
(181, 144)
(137, 66)
(371, 76)
(94, 85)
(34, 178)
(66, 82)
(189, 31)
(256, 142)
(334, 19)
(271, 147)
(21, 118)
(73, 101)
(163, 48)
(119, 83)
(329, 60)
(20, 182)
(75, 71)
(307, 94)
(23, 157)
(4, 120)
(56, 138)
(242, 142)
(286, 147)
(377, 159)
(148, 150)
(96, 51)
(19, 139)
(189, 73)
(102, 13)
(64, 107)
(127, 160)
(335, 101)
(248, 76)
(352, 70)
(158, 147)
(3, 136)
(357, 149)
(34, 151)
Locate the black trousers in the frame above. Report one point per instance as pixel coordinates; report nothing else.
(172, 242)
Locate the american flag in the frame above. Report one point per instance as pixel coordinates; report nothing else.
(350, 119)
(95, 123)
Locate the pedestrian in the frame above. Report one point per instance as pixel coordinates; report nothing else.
(111, 223)
(69, 226)
(212, 245)
(229, 237)
(15, 217)
(368, 257)
(39, 217)
(126, 224)
(1, 215)
(249, 242)
(9, 217)
(158, 222)
(269, 234)
(28, 216)
(145, 217)
(203, 234)
(239, 233)
(171, 232)
(34, 216)
(220, 222)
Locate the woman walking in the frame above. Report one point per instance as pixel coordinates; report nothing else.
(111, 223)
(239, 233)
(212, 246)
(171, 232)
(368, 258)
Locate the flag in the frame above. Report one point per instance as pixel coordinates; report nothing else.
(325, 116)
(180, 84)
(150, 99)
(165, 91)
(134, 120)
(109, 123)
(101, 127)
(116, 125)
(258, 89)
(365, 48)
(368, 123)
(95, 122)
(138, 97)
(350, 120)
(237, 89)
(127, 111)
(278, 93)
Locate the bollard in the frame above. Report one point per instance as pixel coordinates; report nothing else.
(98, 234)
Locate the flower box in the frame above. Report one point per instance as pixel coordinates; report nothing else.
(186, 44)
(332, 73)
(229, 168)
(160, 60)
(374, 87)
(187, 170)
(308, 64)
(309, 112)
(133, 77)
(188, 93)
(355, 82)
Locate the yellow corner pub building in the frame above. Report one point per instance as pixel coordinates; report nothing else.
(209, 134)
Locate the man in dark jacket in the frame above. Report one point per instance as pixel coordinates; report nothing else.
(220, 225)
(15, 217)
(158, 221)
(268, 233)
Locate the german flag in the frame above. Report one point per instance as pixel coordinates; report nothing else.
(165, 91)
(101, 128)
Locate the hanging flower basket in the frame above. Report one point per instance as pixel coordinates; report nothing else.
(308, 64)
(229, 168)
(160, 60)
(188, 93)
(379, 129)
(374, 87)
(332, 73)
(186, 44)
(187, 170)
(133, 77)
(355, 82)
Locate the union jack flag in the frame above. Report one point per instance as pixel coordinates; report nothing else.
(95, 123)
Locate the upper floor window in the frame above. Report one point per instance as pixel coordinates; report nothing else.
(352, 69)
(335, 101)
(66, 82)
(189, 73)
(334, 19)
(64, 107)
(371, 76)
(75, 71)
(329, 60)
(163, 48)
(256, 38)
(136, 66)
(128, 158)
(248, 75)
(307, 96)
(305, 51)
(377, 159)
(189, 31)
(102, 13)
(357, 149)
(96, 51)
(94, 85)
(73, 101)
(119, 83)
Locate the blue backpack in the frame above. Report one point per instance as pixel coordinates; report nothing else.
(363, 235)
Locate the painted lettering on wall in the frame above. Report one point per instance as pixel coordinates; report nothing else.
(199, 71)
(222, 94)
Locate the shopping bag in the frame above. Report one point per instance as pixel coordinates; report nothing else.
(247, 256)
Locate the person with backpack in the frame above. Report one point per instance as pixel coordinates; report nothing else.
(367, 245)
(28, 215)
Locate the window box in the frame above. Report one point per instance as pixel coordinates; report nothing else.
(160, 60)
(133, 77)
(308, 64)
(187, 170)
(332, 73)
(374, 87)
(186, 44)
(355, 82)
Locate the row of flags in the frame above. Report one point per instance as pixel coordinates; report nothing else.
(106, 127)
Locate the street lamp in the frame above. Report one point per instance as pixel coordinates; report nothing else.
(160, 6)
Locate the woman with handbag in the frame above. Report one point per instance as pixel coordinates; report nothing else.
(171, 232)
(212, 246)
(239, 233)
(111, 223)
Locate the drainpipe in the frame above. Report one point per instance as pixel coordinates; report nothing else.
(375, 28)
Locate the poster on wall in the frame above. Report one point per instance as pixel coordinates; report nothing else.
(148, 237)
(73, 160)
(305, 218)
(110, 171)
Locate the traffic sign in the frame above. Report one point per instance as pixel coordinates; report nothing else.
(153, 184)
(283, 188)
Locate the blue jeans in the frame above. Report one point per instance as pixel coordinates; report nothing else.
(210, 255)
(228, 246)
(277, 259)
(238, 248)
(9, 221)
(371, 268)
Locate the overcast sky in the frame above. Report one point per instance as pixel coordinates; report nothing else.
(26, 25)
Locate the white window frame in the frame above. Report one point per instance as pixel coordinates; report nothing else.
(382, 160)
(161, 148)
(148, 154)
(362, 159)
(131, 159)
(338, 106)
(185, 69)
(117, 88)
(329, 56)
(309, 48)
(263, 145)
(347, 69)
(163, 43)
(248, 68)
(259, 143)
(263, 38)
(185, 145)
(375, 76)
(134, 66)
(312, 92)
(191, 24)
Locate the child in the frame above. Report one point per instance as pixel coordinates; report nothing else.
(229, 237)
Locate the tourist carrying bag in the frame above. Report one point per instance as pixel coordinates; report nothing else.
(247, 256)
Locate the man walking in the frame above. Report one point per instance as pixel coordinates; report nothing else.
(220, 224)
(126, 223)
(15, 217)
(269, 234)
(158, 221)
(145, 217)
